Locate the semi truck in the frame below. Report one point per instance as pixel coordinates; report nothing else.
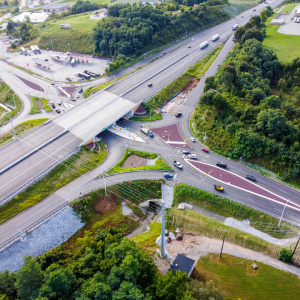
(215, 37)
(33, 49)
(235, 26)
(85, 76)
(203, 45)
(37, 49)
(92, 73)
(147, 131)
(24, 50)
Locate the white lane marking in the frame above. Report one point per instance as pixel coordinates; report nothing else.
(175, 176)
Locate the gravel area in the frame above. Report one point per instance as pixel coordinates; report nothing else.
(126, 210)
(48, 235)
(245, 226)
(168, 194)
(151, 162)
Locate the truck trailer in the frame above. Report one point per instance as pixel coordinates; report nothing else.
(146, 131)
(203, 45)
(85, 76)
(33, 49)
(37, 49)
(235, 26)
(215, 37)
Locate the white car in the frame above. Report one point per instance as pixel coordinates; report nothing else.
(78, 96)
(192, 139)
(177, 164)
(192, 156)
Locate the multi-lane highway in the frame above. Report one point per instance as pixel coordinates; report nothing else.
(32, 155)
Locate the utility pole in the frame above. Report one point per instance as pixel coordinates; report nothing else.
(222, 247)
(12, 125)
(296, 245)
(163, 250)
(104, 184)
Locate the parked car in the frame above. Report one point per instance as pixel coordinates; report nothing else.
(219, 188)
(177, 164)
(168, 175)
(150, 84)
(192, 156)
(78, 96)
(189, 46)
(186, 152)
(80, 91)
(192, 139)
(52, 83)
(164, 52)
(179, 114)
(250, 177)
(222, 165)
(68, 78)
(205, 150)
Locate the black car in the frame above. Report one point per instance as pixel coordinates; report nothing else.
(222, 165)
(80, 91)
(150, 84)
(179, 114)
(250, 177)
(186, 152)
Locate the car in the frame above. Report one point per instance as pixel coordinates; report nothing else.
(78, 96)
(219, 188)
(73, 100)
(179, 114)
(189, 46)
(53, 106)
(222, 165)
(177, 164)
(242, 16)
(80, 91)
(186, 152)
(52, 83)
(205, 150)
(150, 84)
(250, 177)
(254, 9)
(192, 139)
(46, 59)
(192, 156)
(168, 175)
(164, 52)
(68, 78)
(59, 103)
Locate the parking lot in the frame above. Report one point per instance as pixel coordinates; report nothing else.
(54, 70)
(290, 26)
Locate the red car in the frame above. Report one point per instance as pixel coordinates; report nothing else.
(205, 150)
(165, 52)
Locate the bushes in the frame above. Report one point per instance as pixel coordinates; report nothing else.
(286, 255)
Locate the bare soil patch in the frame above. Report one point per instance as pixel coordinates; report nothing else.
(191, 84)
(105, 204)
(134, 161)
(40, 104)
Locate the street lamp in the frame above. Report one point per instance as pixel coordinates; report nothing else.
(282, 213)
(202, 179)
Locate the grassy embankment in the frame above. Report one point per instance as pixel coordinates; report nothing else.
(21, 129)
(159, 165)
(100, 211)
(6, 98)
(195, 71)
(285, 46)
(227, 208)
(35, 108)
(235, 7)
(238, 280)
(61, 175)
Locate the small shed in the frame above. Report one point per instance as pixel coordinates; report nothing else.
(184, 264)
(277, 22)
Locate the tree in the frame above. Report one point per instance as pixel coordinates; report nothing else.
(272, 102)
(285, 255)
(29, 278)
(281, 84)
(252, 33)
(10, 26)
(171, 286)
(128, 291)
(207, 98)
(7, 285)
(205, 291)
(257, 95)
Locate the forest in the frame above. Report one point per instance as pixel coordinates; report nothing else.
(101, 266)
(251, 107)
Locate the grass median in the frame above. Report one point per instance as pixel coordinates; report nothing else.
(159, 163)
(75, 166)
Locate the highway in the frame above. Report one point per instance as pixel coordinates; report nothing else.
(31, 156)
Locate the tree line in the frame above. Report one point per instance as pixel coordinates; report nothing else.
(252, 105)
(102, 266)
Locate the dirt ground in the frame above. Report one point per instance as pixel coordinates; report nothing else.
(40, 104)
(105, 204)
(177, 102)
(134, 161)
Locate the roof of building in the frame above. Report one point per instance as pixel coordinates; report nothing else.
(58, 5)
(184, 264)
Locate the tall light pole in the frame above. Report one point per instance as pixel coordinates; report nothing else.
(163, 249)
(202, 179)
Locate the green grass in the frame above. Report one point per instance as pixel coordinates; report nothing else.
(238, 280)
(47, 107)
(79, 36)
(286, 47)
(102, 2)
(34, 108)
(159, 165)
(227, 208)
(195, 71)
(153, 117)
(237, 8)
(289, 7)
(21, 129)
(61, 175)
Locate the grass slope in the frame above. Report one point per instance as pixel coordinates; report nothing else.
(285, 46)
(61, 175)
(236, 277)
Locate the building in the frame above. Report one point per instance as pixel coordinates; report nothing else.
(184, 264)
(64, 25)
(59, 7)
(277, 22)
